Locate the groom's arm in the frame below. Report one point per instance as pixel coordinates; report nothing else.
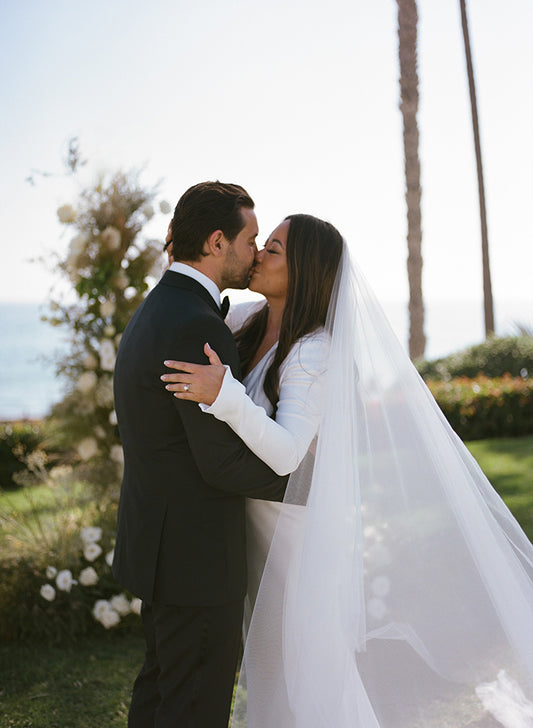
(222, 458)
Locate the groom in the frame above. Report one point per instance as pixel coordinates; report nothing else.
(181, 528)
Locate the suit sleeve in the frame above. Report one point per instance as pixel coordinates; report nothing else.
(222, 458)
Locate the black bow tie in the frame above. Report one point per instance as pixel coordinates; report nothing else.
(224, 307)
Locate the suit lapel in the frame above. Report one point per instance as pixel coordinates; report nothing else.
(178, 280)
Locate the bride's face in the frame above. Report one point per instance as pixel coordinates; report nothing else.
(270, 275)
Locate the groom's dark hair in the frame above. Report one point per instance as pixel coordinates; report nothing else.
(204, 208)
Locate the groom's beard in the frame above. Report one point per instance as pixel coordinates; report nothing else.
(235, 276)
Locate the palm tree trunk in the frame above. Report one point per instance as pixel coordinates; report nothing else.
(488, 304)
(407, 34)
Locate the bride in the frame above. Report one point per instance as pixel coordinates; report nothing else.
(392, 588)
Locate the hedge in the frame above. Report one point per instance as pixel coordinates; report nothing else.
(482, 407)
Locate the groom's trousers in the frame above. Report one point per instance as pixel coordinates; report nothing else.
(187, 677)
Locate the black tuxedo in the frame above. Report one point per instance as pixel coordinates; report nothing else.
(181, 528)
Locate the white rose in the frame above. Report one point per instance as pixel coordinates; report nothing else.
(88, 577)
(87, 382)
(110, 331)
(77, 245)
(51, 572)
(66, 213)
(117, 454)
(109, 557)
(147, 210)
(87, 448)
(121, 280)
(107, 308)
(48, 592)
(104, 392)
(113, 418)
(91, 534)
(107, 355)
(136, 605)
(164, 206)
(90, 361)
(100, 607)
(111, 238)
(120, 604)
(109, 618)
(92, 551)
(64, 580)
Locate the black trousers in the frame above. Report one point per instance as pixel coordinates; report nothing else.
(187, 677)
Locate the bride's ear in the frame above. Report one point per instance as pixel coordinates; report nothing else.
(216, 244)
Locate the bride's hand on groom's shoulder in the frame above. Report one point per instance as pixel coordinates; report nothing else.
(196, 382)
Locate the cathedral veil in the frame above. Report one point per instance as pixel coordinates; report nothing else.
(398, 589)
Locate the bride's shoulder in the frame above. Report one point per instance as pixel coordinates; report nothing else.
(239, 313)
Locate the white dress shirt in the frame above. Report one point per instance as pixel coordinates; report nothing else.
(205, 281)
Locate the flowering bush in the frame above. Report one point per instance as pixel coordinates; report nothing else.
(94, 584)
(482, 407)
(110, 268)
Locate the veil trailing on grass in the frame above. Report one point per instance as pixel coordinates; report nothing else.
(398, 588)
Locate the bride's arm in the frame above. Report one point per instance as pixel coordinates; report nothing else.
(281, 443)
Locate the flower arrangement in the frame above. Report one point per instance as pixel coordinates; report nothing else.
(94, 585)
(110, 267)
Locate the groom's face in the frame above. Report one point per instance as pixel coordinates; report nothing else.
(240, 254)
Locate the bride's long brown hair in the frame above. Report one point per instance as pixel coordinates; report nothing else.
(314, 249)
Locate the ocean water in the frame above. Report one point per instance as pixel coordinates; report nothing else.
(28, 385)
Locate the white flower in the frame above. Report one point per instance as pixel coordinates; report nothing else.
(136, 605)
(91, 534)
(380, 586)
(109, 557)
(100, 607)
(118, 337)
(109, 618)
(51, 572)
(147, 210)
(110, 331)
(87, 382)
(107, 355)
(90, 361)
(113, 418)
(99, 432)
(164, 206)
(64, 580)
(88, 576)
(121, 280)
(104, 392)
(87, 448)
(92, 551)
(120, 604)
(66, 213)
(77, 245)
(111, 238)
(376, 608)
(48, 592)
(117, 454)
(107, 308)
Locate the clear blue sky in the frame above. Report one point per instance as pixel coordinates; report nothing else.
(297, 101)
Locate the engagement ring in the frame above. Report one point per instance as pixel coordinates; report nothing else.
(186, 387)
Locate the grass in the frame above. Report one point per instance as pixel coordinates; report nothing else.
(89, 686)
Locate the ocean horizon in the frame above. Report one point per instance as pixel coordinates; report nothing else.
(29, 386)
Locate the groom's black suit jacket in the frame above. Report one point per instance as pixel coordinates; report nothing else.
(181, 524)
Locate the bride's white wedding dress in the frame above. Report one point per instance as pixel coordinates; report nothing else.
(392, 588)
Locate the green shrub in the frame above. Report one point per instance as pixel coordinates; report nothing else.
(495, 357)
(16, 440)
(482, 407)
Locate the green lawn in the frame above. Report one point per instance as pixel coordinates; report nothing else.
(89, 686)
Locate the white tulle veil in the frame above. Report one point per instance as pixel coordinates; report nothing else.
(398, 590)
